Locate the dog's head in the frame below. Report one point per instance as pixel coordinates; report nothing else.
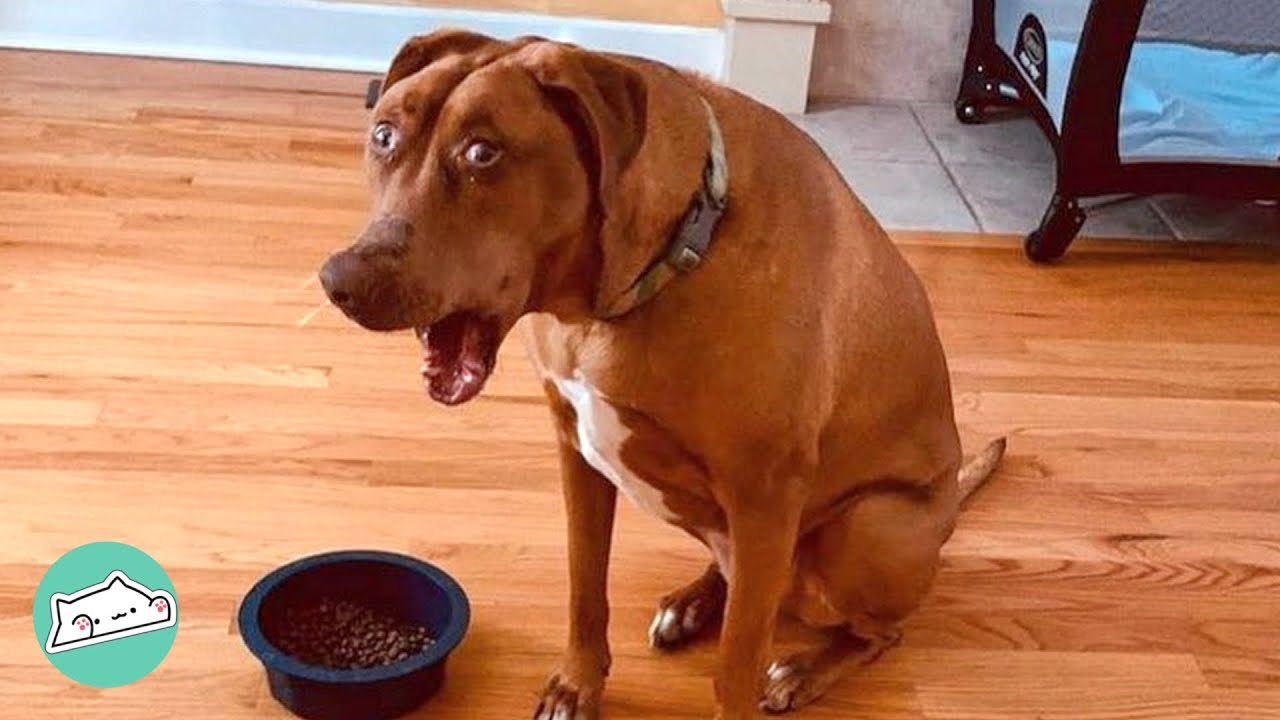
(492, 165)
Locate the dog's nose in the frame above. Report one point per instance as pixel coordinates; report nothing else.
(339, 277)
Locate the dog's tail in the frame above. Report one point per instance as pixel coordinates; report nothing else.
(976, 471)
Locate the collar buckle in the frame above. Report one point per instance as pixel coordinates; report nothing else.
(686, 259)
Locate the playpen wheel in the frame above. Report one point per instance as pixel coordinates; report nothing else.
(1062, 221)
(1048, 246)
(1039, 251)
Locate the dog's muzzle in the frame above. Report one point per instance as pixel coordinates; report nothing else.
(366, 280)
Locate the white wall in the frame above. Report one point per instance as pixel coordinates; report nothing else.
(907, 50)
(309, 33)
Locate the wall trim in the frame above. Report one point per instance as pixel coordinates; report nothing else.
(765, 49)
(816, 12)
(359, 37)
(769, 49)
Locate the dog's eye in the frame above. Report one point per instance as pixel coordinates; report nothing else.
(482, 154)
(384, 137)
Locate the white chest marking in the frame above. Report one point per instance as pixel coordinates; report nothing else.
(601, 436)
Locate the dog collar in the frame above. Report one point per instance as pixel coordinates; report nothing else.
(692, 239)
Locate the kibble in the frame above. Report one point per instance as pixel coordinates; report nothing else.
(343, 635)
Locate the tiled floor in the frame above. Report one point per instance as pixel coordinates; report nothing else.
(916, 167)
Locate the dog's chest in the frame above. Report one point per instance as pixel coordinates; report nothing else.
(612, 443)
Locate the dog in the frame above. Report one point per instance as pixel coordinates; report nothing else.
(724, 333)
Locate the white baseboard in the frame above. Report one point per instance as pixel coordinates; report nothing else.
(769, 49)
(765, 51)
(307, 33)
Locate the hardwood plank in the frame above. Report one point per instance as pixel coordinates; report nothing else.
(32, 409)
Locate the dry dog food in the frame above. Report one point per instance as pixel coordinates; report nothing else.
(343, 635)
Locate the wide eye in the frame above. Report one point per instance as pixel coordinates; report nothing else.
(482, 154)
(383, 138)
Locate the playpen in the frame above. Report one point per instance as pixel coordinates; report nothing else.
(1136, 97)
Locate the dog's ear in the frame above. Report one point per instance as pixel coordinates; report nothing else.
(423, 50)
(607, 102)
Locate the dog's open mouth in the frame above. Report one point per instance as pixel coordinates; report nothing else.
(459, 352)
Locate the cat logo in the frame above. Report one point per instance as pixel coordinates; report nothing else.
(110, 610)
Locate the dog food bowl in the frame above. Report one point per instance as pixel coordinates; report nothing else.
(395, 586)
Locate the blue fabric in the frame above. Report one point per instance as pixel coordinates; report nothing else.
(1184, 102)
(1188, 102)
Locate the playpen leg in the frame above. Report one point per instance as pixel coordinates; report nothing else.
(980, 88)
(1062, 221)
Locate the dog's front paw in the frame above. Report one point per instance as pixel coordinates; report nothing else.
(688, 612)
(567, 699)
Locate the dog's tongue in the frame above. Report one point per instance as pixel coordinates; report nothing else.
(457, 356)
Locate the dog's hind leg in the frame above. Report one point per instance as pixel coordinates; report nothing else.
(857, 578)
(800, 679)
(689, 612)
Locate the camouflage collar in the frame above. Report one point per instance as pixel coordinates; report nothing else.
(691, 241)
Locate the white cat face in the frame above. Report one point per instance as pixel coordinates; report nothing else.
(115, 608)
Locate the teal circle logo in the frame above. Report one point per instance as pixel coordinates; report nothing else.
(106, 614)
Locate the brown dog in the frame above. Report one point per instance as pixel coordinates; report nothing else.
(780, 393)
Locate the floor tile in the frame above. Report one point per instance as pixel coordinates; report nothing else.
(918, 168)
(996, 142)
(909, 196)
(1215, 220)
(1012, 199)
(867, 132)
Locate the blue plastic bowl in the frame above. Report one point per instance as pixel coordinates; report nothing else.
(397, 585)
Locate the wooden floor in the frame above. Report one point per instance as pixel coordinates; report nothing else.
(160, 224)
